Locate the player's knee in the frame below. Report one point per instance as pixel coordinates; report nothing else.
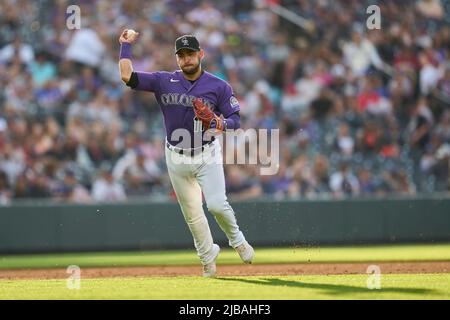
(192, 220)
(192, 213)
(217, 207)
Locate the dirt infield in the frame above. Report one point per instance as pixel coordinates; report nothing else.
(234, 270)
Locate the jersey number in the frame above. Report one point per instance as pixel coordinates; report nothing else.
(198, 125)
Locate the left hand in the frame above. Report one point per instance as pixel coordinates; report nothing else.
(209, 119)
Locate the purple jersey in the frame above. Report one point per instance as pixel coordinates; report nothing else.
(175, 94)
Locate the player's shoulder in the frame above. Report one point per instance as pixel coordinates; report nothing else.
(219, 83)
(213, 78)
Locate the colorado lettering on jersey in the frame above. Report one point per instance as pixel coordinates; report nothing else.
(177, 99)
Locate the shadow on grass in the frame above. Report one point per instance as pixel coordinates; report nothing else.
(329, 288)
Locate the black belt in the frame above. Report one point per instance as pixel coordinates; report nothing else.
(188, 152)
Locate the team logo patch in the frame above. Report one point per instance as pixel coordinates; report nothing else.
(234, 102)
(185, 41)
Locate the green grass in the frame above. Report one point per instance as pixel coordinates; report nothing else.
(429, 252)
(393, 286)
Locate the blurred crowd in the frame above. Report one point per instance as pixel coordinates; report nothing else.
(361, 112)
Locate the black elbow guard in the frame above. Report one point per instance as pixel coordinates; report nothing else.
(134, 81)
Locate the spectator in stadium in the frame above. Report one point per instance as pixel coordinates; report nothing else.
(344, 183)
(138, 173)
(344, 141)
(17, 49)
(63, 106)
(239, 186)
(70, 190)
(106, 189)
(367, 183)
(5, 193)
(421, 124)
(360, 54)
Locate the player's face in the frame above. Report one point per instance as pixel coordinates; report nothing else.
(189, 60)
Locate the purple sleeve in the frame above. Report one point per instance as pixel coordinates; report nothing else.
(228, 104)
(233, 121)
(148, 81)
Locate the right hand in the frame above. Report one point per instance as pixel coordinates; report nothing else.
(129, 37)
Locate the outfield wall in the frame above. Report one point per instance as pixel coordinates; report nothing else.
(144, 226)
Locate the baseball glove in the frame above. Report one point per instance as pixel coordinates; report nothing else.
(209, 119)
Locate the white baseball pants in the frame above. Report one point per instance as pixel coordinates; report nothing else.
(192, 175)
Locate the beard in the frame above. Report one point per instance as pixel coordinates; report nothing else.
(191, 69)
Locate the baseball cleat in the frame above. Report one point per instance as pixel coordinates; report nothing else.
(246, 252)
(209, 269)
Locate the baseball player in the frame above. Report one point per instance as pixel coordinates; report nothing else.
(195, 102)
